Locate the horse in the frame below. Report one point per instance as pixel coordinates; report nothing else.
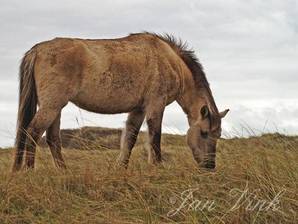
(139, 74)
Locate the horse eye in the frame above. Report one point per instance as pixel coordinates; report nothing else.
(204, 134)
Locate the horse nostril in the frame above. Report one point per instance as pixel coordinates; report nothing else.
(210, 165)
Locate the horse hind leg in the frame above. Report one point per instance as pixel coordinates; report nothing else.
(41, 122)
(54, 141)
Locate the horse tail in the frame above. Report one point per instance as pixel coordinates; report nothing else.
(27, 104)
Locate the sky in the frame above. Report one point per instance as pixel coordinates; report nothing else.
(249, 51)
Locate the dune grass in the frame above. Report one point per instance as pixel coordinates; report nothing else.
(252, 171)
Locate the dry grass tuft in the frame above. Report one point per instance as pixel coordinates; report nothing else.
(93, 190)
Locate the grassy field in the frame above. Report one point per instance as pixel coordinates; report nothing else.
(256, 181)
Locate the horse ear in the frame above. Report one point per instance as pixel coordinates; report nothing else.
(223, 113)
(204, 111)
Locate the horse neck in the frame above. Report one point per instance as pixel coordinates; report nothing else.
(194, 97)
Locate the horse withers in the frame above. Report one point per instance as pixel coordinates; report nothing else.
(139, 74)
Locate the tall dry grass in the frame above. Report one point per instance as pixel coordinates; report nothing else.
(93, 190)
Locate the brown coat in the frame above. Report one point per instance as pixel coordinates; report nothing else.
(139, 74)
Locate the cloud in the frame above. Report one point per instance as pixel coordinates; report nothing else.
(249, 50)
(279, 117)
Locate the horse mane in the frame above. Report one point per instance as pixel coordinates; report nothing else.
(191, 60)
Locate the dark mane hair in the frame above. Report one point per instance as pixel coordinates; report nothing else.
(192, 62)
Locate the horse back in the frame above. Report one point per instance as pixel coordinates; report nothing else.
(109, 76)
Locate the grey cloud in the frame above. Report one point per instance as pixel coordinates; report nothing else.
(8, 91)
(249, 50)
(248, 120)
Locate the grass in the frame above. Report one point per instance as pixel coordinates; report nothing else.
(94, 190)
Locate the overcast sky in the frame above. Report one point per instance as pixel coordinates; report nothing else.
(249, 50)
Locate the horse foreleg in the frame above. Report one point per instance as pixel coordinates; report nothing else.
(129, 135)
(154, 120)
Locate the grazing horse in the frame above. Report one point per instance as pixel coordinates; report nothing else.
(139, 74)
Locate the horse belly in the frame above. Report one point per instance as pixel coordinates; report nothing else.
(110, 93)
(105, 104)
